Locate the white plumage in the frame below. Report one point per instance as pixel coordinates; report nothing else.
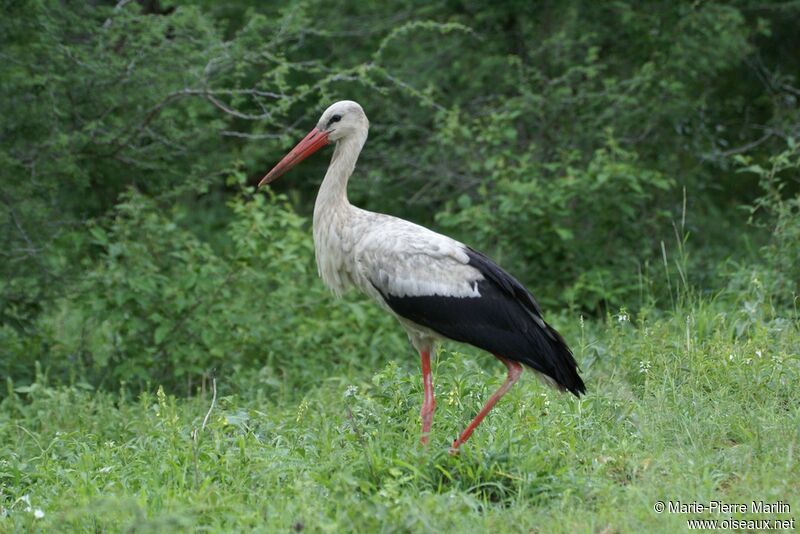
(378, 253)
(435, 286)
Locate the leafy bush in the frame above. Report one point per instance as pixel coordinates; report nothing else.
(778, 210)
(553, 136)
(565, 226)
(159, 305)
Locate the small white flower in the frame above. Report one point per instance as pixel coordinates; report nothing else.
(644, 366)
(351, 391)
(730, 356)
(37, 513)
(758, 353)
(622, 317)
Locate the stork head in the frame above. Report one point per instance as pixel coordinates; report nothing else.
(341, 120)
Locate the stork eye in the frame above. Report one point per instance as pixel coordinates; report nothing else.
(335, 118)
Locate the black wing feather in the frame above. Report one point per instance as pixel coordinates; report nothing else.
(505, 320)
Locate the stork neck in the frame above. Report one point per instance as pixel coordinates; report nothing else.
(333, 191)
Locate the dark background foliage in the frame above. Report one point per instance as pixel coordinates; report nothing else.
(604, 152)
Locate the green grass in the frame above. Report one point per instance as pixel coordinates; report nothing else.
(679, 408)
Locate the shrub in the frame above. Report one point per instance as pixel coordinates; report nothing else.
(159, 305)
(778, 210)
(580, 229)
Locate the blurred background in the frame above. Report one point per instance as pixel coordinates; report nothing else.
(614, 156)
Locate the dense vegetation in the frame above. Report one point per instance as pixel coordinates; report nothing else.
(637, 167)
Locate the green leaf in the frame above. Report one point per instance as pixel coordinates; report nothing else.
(161, 333)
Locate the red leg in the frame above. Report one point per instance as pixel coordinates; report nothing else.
(514, 372)
(429, 402)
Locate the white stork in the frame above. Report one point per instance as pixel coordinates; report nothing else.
(435, 286)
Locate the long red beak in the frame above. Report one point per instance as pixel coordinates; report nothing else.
(312, 142)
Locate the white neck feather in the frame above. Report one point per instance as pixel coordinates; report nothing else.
(332, 194)
(334, 234)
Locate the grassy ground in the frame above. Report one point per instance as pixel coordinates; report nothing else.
(679, 408)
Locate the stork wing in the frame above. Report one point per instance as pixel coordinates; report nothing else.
(461, 294)
(403, 259)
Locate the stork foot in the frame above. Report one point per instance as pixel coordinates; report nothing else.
(453, 450)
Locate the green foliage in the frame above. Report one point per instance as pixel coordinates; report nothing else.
(160, 305)
(563, 139)
(602, 152)
(91, 104)
(149, 302)
(578, 227)
(664, 420)
(778, 209)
